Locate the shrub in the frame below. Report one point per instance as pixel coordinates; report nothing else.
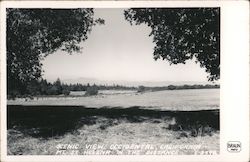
(141, 89)
(171, 87)
(91, 91)
(66, 92)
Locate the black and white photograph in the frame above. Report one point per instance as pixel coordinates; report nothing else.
(99, 81)
(113, 81)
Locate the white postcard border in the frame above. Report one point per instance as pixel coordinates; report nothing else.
(234, 91)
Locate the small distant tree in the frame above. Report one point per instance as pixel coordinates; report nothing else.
(53, 90)
(141, 89)
(58, 86)
(44, 87)
(171, 87)
(92, 90)
(33, 88)
(66, 92)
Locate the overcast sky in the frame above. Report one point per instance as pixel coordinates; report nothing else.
(118, 51)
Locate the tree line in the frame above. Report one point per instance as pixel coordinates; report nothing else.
(45, 88)
(177, 87)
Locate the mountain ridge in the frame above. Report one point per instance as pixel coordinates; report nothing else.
(92, 81)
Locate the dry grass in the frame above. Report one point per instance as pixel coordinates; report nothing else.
(108, 131)
(188, 100)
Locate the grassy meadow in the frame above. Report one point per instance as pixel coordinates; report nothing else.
(168, 118)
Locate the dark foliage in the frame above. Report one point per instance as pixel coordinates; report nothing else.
(182, 34)
(176, 87)
(141, 89)
(32, 34)
(44, 88)
(90, 91)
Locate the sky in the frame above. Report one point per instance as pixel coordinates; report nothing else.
(118, 51)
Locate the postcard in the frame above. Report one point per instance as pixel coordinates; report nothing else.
(124, 80)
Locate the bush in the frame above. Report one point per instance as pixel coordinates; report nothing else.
(141, 89)
(171, 87)
(66, 92)
(91, 91)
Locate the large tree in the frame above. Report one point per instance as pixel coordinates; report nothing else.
(32, 34)
(182, 34)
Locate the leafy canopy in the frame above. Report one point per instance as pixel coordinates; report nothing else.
(32, 34)
(182, 34)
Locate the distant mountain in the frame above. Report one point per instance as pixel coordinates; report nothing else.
(128, 83)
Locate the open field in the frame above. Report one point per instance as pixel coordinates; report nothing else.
(39, 129)
(198, 99)
(176, 119)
